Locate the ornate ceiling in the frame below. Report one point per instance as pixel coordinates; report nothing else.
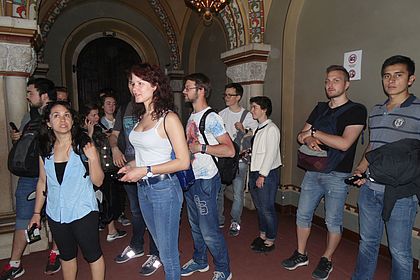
(243, 20)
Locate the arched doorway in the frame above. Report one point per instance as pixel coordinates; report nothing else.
(102, 64)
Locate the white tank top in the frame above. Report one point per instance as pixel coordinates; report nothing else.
(150, 148)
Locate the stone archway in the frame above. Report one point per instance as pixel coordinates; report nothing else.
(101, 64)
(161, 14)
(288, 87)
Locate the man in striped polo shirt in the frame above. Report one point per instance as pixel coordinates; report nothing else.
(397, 118)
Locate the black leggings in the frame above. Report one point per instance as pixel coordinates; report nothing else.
(83, 233)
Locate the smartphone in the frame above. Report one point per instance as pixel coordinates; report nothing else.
(13, 126)
(117, 176)
(33, 235)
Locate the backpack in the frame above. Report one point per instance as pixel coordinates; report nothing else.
(101, 142)
(228, 167)
(243, 140)
(23, 158)
(328, 159)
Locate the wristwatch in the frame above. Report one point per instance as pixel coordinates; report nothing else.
(203, 148)
(313, 130)
(149, 173)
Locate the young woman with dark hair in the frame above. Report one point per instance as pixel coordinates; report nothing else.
(264, 173)
(71, 209)
(111, 210)
(159, 192)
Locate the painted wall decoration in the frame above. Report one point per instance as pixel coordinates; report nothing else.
(170, 33)
(19, 8)
(233, 21)
(256, 21)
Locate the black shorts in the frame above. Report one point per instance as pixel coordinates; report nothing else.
(83, 233)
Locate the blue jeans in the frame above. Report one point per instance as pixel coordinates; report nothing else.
(202, 215)
(238, 196)
(316, 185)
(264, 200)
(399, 230)
(161, 207)
(137, 222)
(24, 208)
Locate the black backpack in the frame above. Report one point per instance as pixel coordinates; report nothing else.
(23, 158)
(228, 167)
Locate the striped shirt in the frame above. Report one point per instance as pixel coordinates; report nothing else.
(390, 126)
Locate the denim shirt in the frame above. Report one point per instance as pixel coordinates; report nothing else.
(74, 198)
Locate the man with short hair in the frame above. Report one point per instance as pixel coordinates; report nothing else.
(40, 91)
(395, 119)
(201, 197)
(335, 127)
(62, 94)
(238, 123)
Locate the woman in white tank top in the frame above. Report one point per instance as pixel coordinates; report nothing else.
(159, 192)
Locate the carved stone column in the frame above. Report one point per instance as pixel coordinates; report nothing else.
(176, 77)
(247, 65)
(17, 62)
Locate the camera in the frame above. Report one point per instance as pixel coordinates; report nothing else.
(350, 180)
(32, 235)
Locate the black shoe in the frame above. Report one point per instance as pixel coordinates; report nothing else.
(53, 264)
(128, 254)
(323, 269)
(10, 272)
(150, 266)
(258, 242)
(263, 248)
(296, 260)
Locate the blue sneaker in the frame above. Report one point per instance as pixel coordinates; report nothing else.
(191, 266)
(217, 275)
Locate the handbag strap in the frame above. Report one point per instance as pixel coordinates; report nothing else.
(164, 128)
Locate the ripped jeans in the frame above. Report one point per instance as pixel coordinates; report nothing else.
(203, 218)
(316, 185)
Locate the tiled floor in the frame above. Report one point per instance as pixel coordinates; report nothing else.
(245, 264)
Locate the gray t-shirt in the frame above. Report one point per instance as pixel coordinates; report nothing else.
(124, 125)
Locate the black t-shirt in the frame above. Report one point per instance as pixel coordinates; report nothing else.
(355, 115)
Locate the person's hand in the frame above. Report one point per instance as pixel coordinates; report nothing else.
(15, 135)
(118, 157)
(358, 172)
(313, 143)
(132, 174)
(90, 126)
(36, 219)
(240, 126)
(90, 151)
(260, 182)
(195, 147)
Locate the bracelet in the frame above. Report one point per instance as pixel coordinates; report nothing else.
(313, 130)
(203, 148)
(261, 176)
(37, 213)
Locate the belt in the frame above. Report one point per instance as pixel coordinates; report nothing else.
(154, 180)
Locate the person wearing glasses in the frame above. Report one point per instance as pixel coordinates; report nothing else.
(201, 198)
(238, 123)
